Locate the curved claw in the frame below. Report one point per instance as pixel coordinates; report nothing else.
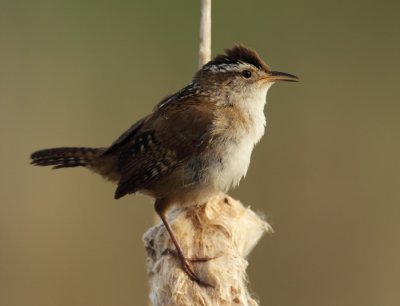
(188, 269)
(201, 259)
(186, 265)
(171, 252)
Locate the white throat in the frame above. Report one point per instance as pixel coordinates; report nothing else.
(252, 107)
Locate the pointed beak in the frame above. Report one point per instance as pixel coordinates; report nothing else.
(275, 76)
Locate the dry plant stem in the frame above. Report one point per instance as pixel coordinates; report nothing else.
(205, 32)
(221, 230)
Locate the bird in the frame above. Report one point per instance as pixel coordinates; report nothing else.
(195, 143)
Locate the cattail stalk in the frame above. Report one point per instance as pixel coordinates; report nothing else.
(221, 231)
(205, 32)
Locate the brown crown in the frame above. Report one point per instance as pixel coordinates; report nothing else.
(240, 54)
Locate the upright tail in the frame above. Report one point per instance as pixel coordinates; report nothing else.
(66, 157)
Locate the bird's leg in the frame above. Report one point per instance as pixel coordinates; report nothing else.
(160, 207)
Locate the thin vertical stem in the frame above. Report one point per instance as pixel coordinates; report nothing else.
(205, 32)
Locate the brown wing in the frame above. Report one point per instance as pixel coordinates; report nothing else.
(127, 136)
(165, 140)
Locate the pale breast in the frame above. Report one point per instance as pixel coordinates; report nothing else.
(236, 153)
(235, 161)
(227, 159)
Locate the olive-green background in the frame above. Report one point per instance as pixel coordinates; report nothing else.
(326, 174)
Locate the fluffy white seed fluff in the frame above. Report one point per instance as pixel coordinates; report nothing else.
(221, 229)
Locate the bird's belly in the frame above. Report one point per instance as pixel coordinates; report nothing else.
(209, 174)
(205, 175)
(231, 165)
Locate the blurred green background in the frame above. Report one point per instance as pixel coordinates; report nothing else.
(326, 174)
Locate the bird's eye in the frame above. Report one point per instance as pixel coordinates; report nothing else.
(246, 74)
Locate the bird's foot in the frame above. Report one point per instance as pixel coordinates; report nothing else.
(187, 267)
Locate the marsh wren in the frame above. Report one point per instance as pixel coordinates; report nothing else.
(196, 142)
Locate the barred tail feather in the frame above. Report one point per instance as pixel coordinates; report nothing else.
(65, 157)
